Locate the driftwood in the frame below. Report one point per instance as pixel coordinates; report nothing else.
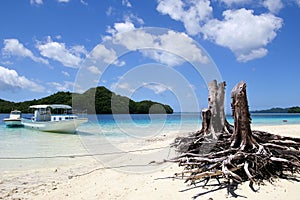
(234, 153)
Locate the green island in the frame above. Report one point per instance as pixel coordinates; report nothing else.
(102, 100)
(294, 109)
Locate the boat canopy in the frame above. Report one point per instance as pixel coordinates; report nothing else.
(53, 106)
(15, 112)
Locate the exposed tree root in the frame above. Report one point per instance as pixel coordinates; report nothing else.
(235, 153)
(274, 159)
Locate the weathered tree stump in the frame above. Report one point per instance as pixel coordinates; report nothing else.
(238, 154)
(213, 118)
(242, 135)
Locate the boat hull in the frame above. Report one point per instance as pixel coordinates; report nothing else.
(64, 126)
(13, 122)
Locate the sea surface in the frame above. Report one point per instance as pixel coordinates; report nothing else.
(22, 148)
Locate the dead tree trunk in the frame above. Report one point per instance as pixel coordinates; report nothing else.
(242, 137)
(240, 156)
(216, 106)
(213, 118)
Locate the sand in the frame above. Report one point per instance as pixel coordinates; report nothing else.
(91, 179)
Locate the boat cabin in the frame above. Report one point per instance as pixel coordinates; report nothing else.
(54, 112)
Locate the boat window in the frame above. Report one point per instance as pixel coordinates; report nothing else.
(59, 118)
(54, 118)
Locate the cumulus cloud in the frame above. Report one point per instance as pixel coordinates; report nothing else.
(273, 5)
(108, 56)
(84, 2)
(163, 57)
(184, 46)
(126, 3)
(63, 1)
(156, 88)
(246, 34)
(10, 80)
(36, 2)
(94, 70)
(69, 57)
(65, 86)
(65, 73)
(131, 17)
(162, 48)
(124, 86)
(40, 2)
(121, 27)
(13, 47)
(236, 2)
(246, 40)
(192, 13)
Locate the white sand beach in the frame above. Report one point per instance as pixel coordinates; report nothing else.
(89, 179)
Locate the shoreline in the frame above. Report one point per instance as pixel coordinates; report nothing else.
(89, 178)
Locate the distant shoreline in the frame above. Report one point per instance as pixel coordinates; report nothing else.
(294, 109)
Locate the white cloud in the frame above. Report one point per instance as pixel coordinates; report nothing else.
(156, 88)
(231, 2)
(192, 13)
(163, 57)
(121, 87)
(126, 3)
(297, 2)
(253, 54)
(108, 56)
(78, 50)
(133, 18)
(246, 40)
(162, 48)
(66, 86)
(94, 70)
(69, 57)
(84, 2)
(13, 47)
(124, 27)
(40, 2)
(175, 53)
(243, 32)
(36, 2)
(65, 73)
(58, 37)
(273, 5)
(63, 1)
(109, 11)
(10, 80)
(121, 27)
(184, 46)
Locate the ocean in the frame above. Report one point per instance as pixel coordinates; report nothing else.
(22, 148)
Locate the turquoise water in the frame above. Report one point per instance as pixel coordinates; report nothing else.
(22, 148)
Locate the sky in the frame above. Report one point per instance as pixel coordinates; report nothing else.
(162, 50)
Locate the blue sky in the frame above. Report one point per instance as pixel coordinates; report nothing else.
(47, 46)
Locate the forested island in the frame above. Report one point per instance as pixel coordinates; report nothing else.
(295, 109)
(101, 103)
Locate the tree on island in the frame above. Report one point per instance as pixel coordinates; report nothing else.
(95, 100)
(234, 154)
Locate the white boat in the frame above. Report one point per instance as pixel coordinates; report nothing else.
(54, 118)
(14, 119)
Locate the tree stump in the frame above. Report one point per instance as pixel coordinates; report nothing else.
(239, 154)
(242, 136)
(213, 118)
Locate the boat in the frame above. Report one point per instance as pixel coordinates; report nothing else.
(14, 119)
(57, 118)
